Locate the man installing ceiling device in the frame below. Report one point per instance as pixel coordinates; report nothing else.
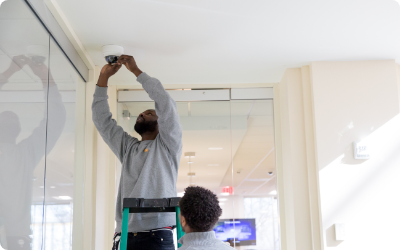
(149, 166)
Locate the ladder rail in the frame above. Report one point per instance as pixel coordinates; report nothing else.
(140, 205)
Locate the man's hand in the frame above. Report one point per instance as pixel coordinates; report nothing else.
(106, 72)
(21, 61)
(130, 64)
(18, 63)
(39, 69)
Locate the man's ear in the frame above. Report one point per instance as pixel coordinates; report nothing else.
(182, 220)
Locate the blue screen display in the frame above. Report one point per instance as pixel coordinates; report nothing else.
(240, 231)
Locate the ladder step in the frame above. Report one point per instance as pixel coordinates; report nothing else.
(141, 202)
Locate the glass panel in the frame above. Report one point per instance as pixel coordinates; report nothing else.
(254, 175)
(234, 151)
(24, 49)
(206, 133)
(60, 166)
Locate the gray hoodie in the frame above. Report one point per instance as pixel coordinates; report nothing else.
(203, 240)
(151, 174)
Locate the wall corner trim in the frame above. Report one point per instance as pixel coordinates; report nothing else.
(62, 20)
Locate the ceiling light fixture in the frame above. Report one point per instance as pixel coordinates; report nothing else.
(52, 187)
(181, 194)
(272, 192)
(190, 154)
(65, 198)
(215, 148)
(190, 174)
(224, 194)
(222, 199)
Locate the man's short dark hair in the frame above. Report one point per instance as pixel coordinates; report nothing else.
(200, 208)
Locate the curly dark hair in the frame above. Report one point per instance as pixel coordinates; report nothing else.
(200, 208)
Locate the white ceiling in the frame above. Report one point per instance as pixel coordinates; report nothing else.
(232, 41)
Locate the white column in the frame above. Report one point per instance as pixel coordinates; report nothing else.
(297, 171)
(89, 219)
(105, 196)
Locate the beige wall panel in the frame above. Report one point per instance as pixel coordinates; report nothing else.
(358, 101)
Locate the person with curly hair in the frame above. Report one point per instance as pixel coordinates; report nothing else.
(200, 212)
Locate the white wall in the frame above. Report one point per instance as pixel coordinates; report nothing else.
(297, 175)
(358, 101)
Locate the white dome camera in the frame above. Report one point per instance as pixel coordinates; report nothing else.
(112, 52)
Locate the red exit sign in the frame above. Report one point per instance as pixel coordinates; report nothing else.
(227, 190)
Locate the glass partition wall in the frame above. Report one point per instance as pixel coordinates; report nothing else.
(228, 147)
(37, 134)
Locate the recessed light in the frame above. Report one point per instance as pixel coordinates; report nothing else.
(222, 199)
(215, 148)
(190, 154)
(65, 198)
(190, 162)
(224, 194)
(52, 187)
(181, 194)
(272, 192)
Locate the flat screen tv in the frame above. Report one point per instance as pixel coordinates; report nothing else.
(242, 232)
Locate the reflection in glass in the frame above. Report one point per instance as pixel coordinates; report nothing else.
(22, 147)
(37, 96)
(60, 159)
(24, 49)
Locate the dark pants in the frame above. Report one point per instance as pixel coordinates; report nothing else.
(157, 240)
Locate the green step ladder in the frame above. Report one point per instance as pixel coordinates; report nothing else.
(140, 205)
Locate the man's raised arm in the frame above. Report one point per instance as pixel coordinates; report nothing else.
(115, 137)
(169, 126)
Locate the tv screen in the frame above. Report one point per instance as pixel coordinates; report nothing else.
(242, 232)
